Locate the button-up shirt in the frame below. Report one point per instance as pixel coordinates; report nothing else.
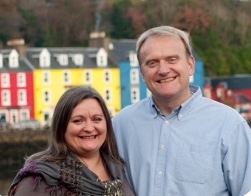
(202, 148)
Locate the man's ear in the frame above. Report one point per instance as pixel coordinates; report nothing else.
(191, 64)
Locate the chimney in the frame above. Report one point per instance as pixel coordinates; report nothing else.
(98, 39)
(19, 45)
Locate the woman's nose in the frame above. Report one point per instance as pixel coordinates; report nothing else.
(89, 126)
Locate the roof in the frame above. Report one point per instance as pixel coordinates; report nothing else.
(121, 48)
(233, 82)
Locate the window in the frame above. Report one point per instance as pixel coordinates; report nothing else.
(107, 75)
(134, 76)
(63, 59)
(133, 59)
(1, 60)
(6, 98)
(108, 95)
(21, 96)
(44, 58)
(13, 116)
(78, 59)
(24, 114)
(134, 95)
(87, 77)
(5, 80)
(102, 58)
(13, 59)
(21, 80)
(66, 77)
(46, 77)
(46, 97)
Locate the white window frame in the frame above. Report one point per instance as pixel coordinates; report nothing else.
(102, 60)
(47, 97)
(14, 116)
(66, 77)
(63, 59)
(107, 76)
(6, 97)
(133, 59)
(134, 76)
(78, 59)
(24, 114)
(22, 97)
(46, 77)
(45, 58)
(108, 95)
(21, 79)
(135, 95)
(88, 77)
(5, 80)
(1, 60)
(13, 59)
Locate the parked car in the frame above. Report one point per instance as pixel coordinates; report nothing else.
(32, 124)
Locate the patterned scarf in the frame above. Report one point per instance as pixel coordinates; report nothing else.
(71, 175)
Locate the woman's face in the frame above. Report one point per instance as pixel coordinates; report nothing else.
(86, 130)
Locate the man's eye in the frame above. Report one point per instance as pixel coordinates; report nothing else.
(173, 60)
(151, 63)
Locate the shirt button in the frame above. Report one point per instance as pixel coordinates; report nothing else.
(162, 146)
(160, 173)
(180, 115)
(167, 122)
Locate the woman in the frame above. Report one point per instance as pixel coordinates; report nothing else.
(82, 156)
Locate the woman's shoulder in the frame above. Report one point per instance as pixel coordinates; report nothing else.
(35, 185)
(31, 186)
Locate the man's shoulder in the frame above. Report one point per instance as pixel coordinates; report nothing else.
(136, 106)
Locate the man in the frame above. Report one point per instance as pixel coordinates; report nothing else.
(178, 142)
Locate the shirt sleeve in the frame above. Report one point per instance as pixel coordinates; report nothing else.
(237, 161)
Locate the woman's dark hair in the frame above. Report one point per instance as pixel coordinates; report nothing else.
(57, 147)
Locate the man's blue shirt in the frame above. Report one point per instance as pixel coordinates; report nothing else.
(202, 148)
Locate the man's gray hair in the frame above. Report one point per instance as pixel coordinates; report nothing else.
(164, 31)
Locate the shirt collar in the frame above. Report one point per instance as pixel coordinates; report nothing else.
(184, 108)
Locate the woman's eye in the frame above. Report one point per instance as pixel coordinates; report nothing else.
(77, 120)
(97, 119)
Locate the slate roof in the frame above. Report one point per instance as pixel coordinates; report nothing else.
(23, 64)
(88, 53)
(232, 82)
(122, 48)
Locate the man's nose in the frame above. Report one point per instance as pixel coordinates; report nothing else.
(163, 67)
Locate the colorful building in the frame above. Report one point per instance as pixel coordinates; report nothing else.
(234, 91)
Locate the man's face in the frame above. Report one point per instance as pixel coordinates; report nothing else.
(165, 67)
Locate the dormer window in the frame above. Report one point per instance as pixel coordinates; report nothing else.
(1, 60)
(13, 59)
(63, 59)
(45, 58)
(102, 58)
(133, 59)
(78, 59)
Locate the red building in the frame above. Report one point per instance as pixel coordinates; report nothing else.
(16, 87)
(234, 91)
